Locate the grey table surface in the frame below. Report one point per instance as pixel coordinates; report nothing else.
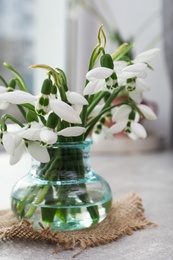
(150, 175)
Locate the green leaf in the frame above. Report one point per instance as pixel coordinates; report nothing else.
(121, 51)
(19, 77)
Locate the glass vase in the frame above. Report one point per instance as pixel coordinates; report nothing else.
(64, 193)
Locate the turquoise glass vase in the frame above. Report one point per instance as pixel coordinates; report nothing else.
(64, 193)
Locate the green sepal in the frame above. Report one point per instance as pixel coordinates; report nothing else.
(31, 116)
(52, 121)
(54, 89)
(106, 61)
(46, 87)
(132, 115)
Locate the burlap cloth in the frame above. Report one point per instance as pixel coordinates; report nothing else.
(125, 217)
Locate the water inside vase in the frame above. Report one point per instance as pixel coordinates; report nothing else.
(66, 218)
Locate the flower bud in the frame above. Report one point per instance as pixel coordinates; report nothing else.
(106, 61)
(46, 87)
(52, 121)
(31, 116)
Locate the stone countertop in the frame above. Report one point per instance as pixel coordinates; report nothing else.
(150, 175)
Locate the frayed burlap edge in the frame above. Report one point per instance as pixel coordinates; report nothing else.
(126, 216)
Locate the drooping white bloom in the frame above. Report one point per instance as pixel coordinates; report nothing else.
(147, 112)
(132, 71)
(72, 131)
(64, 111)
(97, 77)
(17, 97)
(105, 79)
(121, 113)
(37, 132)
(146, 55)
(38, 152)
(140, 87)
(75, 98)
(137, 131)
(3, 104)
(15, 146)
(123, 122)
(97, 137)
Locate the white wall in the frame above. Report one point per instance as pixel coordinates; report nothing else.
(50, 36)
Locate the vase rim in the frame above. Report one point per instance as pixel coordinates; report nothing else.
(86, 142)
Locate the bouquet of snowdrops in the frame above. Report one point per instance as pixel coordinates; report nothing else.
(58, 114)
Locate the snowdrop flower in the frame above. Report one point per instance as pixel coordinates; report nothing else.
(99, 135)
(147, 112)
(146, 55)
(38, 132)
(3, 104)
(72, 131)
(17, 97)
(16, 146)
(99, 132)
(106, 79)
(135, 85)
(75, 98)
(127, 120)
(136, 88)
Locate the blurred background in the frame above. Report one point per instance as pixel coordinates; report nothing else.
(63, 33)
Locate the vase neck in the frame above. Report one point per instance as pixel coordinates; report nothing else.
(67, 161)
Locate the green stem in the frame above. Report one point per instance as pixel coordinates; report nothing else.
(96, 100)
(3, 80)
(7, 116)
(22, 84)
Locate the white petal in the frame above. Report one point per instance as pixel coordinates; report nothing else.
(72, 131)
(48, 136)
(99, 73)
(3, 105)
(121, 113)
(38, 152)
(136, 96)
(132, 136)
(141, 85)
(19, 151)
(138, 130)
(96, 110)
(119, 65)
(146, 55)
(64, 111)
(90, 88)
(17, 97)
(133, 70)
(117, 128)
(101, 86)
(97, 138)
(147, 112)
(3, 89)
(30, 134)
(75, 98)
(8, 143)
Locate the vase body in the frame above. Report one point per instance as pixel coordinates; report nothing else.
(64, 193)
